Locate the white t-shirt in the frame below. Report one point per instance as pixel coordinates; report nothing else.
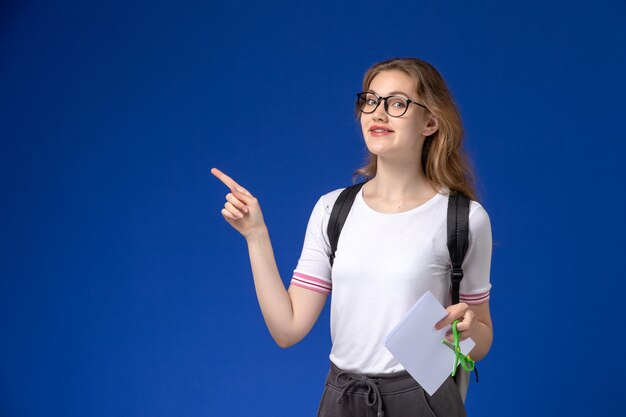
(384, 263)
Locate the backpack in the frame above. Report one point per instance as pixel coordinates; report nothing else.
(458, 241)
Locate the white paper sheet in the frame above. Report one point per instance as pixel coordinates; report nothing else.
(416, 344)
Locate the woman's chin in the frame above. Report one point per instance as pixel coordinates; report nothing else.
(375, 148)
(378, 150)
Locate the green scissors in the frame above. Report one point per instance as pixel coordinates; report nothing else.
(466, 362)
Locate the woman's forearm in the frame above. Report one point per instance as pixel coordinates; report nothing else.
(274, 299)
(483, 336)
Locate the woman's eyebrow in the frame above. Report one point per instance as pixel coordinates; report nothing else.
(393, 93)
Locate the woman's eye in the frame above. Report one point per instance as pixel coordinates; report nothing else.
(400, 104)
(370, 102)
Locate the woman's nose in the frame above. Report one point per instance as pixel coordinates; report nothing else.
(380, 113)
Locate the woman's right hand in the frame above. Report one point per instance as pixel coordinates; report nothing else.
(241, 210)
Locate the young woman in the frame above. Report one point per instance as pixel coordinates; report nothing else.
(391, 251)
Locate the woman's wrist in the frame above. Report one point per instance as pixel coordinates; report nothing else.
(256, 236)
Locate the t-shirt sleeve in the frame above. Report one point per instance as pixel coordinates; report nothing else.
(313, 271)
(475, 285)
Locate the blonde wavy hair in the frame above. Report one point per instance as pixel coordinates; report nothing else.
(444, 161)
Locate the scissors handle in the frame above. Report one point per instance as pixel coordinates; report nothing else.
(466, 362)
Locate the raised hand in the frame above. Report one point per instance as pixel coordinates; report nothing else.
(241, 210)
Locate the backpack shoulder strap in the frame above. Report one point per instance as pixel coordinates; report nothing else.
(458, 238)
(338, 216)
(458, 242)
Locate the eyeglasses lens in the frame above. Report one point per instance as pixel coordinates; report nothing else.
(395, 106)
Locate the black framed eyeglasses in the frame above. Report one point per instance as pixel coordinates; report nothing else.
(395, 106)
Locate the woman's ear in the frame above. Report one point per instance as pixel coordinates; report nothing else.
(431, 126)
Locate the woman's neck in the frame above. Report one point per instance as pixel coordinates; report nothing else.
(400, 181)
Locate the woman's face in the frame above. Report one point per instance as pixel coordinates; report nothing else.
(396, 137)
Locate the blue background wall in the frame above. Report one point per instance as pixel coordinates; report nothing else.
(123, 292)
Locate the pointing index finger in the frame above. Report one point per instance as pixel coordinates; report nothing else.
(228, 181)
